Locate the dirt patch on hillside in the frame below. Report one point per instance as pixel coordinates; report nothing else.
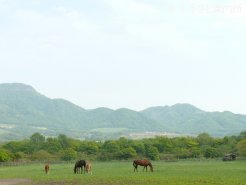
(14, 181)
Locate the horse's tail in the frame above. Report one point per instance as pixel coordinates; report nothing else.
(134, 164)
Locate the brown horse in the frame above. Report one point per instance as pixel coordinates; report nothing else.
(142, 162)
(46, 168)
(88, 167)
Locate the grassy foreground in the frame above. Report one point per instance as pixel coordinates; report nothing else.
(121, 173)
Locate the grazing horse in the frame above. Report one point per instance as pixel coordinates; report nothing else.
(79, 165)
(88, 167)
(142, 162)
(46, 168)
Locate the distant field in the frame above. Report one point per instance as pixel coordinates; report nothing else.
(121, 173)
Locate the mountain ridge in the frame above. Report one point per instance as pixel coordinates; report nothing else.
(27, 111)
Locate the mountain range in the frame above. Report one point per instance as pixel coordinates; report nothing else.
(24, 111)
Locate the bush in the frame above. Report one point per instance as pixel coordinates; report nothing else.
(241, 147)
(211, 153)
(69, 154)
(152, 153)
(4, 155)
(127, 153)
(41, 155)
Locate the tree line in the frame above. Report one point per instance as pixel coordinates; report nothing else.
(39, 148)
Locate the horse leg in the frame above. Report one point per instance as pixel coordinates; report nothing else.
(135, 167)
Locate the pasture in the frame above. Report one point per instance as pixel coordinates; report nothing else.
(209, 172)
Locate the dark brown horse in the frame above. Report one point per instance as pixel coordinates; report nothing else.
(79, 166)
(46, 168)
(142, 162)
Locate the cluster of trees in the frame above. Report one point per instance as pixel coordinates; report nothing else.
(37, 147)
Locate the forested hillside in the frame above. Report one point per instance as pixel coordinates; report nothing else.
(24, 111)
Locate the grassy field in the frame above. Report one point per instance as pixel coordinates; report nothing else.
(121, 173)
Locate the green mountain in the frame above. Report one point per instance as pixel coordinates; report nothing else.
(24, 111)
(187, 119)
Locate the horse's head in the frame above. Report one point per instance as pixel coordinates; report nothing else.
(151, 167)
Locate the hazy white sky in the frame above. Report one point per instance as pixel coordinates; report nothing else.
(128, 53)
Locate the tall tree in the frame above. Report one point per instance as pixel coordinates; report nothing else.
(241, 147)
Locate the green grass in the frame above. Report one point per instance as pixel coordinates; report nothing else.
(121, 173)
